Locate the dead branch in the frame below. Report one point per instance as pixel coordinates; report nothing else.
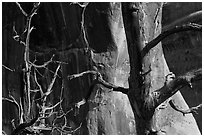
(175, 84)
(184, 111)
(43, 65)
(14, 102)
(3, 132)
(52, 107)
(62, 115)
(19, 106)
(39, 86)
(21, 9)
(82, 102)
(67, 132)
(111, 86)
(7, 68)
(26, 53)
(52, 82)
(83, 6)
(24, 125)
(100, 80)
(70, 77)
(18, 37)
(164, 34)
(189, 18)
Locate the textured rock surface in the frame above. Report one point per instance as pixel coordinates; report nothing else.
(58, 31)
(183, 51)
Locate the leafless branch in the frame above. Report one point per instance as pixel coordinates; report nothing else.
(183, 111)
(13, 124)
(81, 4)
(43, 65)
(18, 37)
(26, 53)
(164, 34)
(34, 90)
(12, 70)
(100, 80)
(189, 18)
(70, 131)
(52, 82)
(39, 86)
(12, 100)
(62, 115)
(175, 84)
(3, 132)
(52, 107)
(111, 86)
(24, 13)
(82, 102)
(21, 108)
(60, 62)
(42, 128)
(81, 74)
(50, 114)
(76, 128)
(23, 126)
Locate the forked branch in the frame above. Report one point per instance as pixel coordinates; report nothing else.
(174, 85)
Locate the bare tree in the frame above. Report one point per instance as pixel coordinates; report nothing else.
(152, 90)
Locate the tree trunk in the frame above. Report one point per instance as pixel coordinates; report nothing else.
(147, 73)
(107, 38)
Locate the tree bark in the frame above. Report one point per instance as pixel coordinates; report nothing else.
(142, 24)
(86, 40)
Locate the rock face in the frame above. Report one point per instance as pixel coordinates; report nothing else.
(106, 36)
(58, 32)
(183, 51)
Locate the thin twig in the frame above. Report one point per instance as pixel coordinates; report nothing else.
(50, 114)
(43, 65)
(21, 115)
(22, 11)
(113, 87)
(82, 102)
(3, 132)
(12, 100)
(52, 82)
(52, 107)
(69, 77)
(100, 80)
(184, 111)
(23, 126)
(12, 70)
(39, 86)
(76, 128)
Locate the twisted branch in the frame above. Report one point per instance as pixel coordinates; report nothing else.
(174, 85)
(189, 18)
(164, 34)
(100, 80)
